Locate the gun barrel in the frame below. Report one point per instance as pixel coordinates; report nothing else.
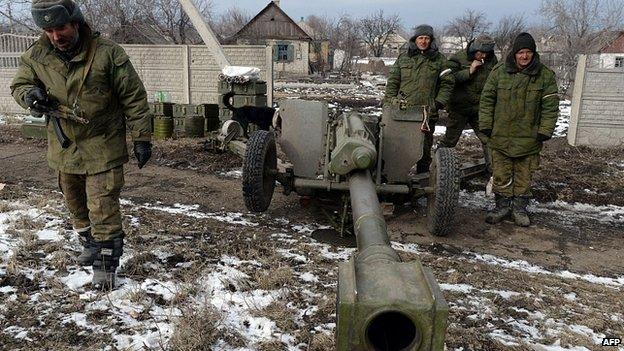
(370, 227)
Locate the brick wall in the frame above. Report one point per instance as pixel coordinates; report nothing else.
(597, 106)
(188, 73)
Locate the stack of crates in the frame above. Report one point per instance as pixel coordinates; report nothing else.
(162, 124)
(181, 111)
(252, 93)
(211, 114)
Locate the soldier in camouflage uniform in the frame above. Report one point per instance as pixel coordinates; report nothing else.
(71, 66)
(420, 76)
(518, 111)
(471, 68)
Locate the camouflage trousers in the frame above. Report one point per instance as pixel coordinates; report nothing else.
(513, 175)
(93, 200)
(456, 123)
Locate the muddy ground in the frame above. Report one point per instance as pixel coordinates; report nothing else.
(508, 287)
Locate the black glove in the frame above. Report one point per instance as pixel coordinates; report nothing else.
(143, 152)
(37, 100)
(542, 137)
(439, 106)
(487, 132)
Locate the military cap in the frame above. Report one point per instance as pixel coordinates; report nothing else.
(53, 13)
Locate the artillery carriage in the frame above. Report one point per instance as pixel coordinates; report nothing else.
(319, 146)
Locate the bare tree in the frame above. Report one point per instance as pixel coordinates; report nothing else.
(230, 22)
(580, 27)
(468, 26)
(507, 30)
(347, 39)
(323, 33)
(376, 29)
(16, 18)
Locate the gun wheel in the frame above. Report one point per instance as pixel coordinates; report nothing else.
(444, 177)
(259, 171)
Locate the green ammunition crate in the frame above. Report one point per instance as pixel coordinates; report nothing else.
(246, 100)
(212, 124)
(34, 130)
(250, 88)
(207, 110)
(225, 114)
(162, 109)
(178, 125)
(183, 110)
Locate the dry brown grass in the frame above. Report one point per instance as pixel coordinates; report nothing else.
(273, 345)
(25, 222)
(321, 342)
(281, 314)
(135, 267)
(60, 260)
(6, 207)
(274, 279)
(199, 328)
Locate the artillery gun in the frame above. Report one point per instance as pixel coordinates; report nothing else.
(383, 303)
(317, 149)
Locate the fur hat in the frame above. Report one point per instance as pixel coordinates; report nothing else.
(53, 13)
(423, 29)
(483, 43)
(523, 41)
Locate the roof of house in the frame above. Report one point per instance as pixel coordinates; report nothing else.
(616, 45)
(273, 32)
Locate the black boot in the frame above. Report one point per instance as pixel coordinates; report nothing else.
(519, 212)
(89, 249)
(501, 211)
(106, 263)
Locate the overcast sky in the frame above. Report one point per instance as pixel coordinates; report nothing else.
(412, 12)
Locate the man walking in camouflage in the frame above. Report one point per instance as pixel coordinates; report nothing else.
(518, 111)
(420, 76)
(72, 68)
(471, 68)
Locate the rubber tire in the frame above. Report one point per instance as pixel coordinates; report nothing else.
(444, 177)
(259, 171)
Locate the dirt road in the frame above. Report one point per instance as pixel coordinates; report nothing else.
(555, 285)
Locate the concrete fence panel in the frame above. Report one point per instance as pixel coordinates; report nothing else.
(189, 73)
(597, 106)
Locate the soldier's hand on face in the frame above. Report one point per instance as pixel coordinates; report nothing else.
(37, 100)
(475, 65)
(143, 152)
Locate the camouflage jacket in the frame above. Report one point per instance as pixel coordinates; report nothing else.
(112, 97)
(468, 87)
(517, 105)
(422, 79)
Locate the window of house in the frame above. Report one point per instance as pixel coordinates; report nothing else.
(284, 53)
(619, 62)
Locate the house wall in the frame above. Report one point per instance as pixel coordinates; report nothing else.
(300, 62)
(188, 73)
(597, 117)
(608, 60)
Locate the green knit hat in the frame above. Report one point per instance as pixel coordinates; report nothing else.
(53, 13)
